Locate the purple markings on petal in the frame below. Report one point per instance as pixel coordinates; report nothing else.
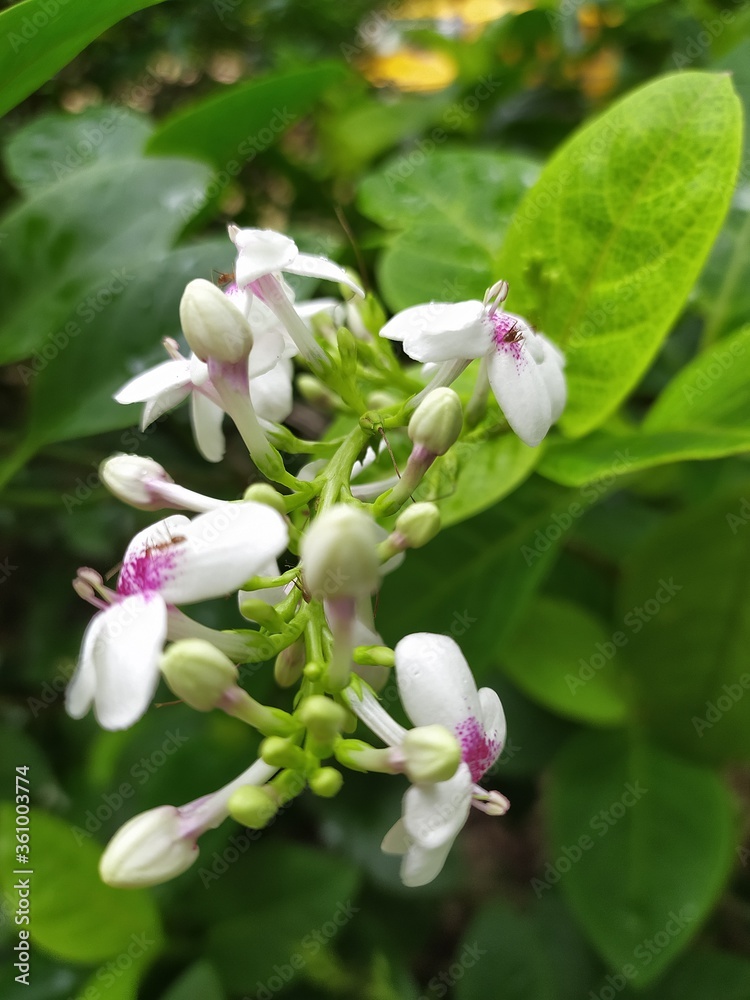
(477, 750)
(508, 337)
(148, 571)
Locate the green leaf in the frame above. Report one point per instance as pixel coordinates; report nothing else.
(42, 36)
(70, 249)
(641, 843)
(52, 146)
(475, 474)
(450, 211)
(563, 657)
(699, 975)
(503, 946)
(684, 597)
(104, 922)
(703, 413)
(200, 980)
(298, 900)
(604, 250)
(229, 129)
(724, 286)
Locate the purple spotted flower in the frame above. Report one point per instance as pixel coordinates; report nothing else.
(175, 561)
(436, 686)
(524, 368)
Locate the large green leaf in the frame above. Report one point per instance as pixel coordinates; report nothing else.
(298, 901)
(70, 249)
(563, 657)
(53, 146)
(42, 36)
(641, 843)
(700, 974)
(605, 248)
(450, 211)
(684, 596)
(200, 980)
(703, 413)
(229, 129)
(103, 923)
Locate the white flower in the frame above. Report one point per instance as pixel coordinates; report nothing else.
(524, 368)
(436, 686)
(262, 256)
(176, 561)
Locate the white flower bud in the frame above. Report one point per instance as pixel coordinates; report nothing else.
(213, 326)
(339, 554)
(431, 753)
(198, 673)
(418, 524)
(147, 850)
(436, 423)
(128, 476)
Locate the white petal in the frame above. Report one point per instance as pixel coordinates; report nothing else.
(261, 251)
(166, 377)
(80, 692)
(270, 345)
(396, 840)
(521, 390)
(423, 864)
(435, 683)
(126, 656)
(434, 813)
(441, 331)
(493, 718)
(271, 394)
(313, 307)
(158, 405)
(221, 549)
(552, 372)
(312, 266)
(207, 419)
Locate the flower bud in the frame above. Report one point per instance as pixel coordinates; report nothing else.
(213, 326)
(289, 665)
(128, 476)
(279, 752)
(147, 850)
(339, 554)
(326, 782)
(437, 421)
(322, 716)
(266, 494)
(418, 525)
(431, 753)
(252, 806)
(198, 673)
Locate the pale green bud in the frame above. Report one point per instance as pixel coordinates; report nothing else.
(278, 752)
(198, 673)
(213, 326)
(418, 524)
(431, 753)
(437, 421)
(266, 494)
(289, 664)
(326, 782)
(339, 554)
(252, 806)
(315, 392)
(323, 717)
(148, 850)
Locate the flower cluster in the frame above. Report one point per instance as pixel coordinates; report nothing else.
(339, 526)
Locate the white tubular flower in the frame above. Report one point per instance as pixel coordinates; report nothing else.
(525, 369)
(176, 561)
(160, 844)
(436, 686)
(145, 484)
(262, 256)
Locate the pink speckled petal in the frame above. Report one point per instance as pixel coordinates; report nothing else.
(435, 683)
(521, 390)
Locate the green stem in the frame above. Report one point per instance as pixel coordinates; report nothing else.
(728, 286)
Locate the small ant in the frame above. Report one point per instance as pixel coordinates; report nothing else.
(224, 277)
(160, 546)
(514, 335)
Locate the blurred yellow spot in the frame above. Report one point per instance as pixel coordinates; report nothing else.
(589, 21)
(76, 101)
(226, 67)
(167, 67)
(410, 69)
(599, 74)
(471, 12)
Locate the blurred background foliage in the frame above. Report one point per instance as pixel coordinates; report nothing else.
(621, 869)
